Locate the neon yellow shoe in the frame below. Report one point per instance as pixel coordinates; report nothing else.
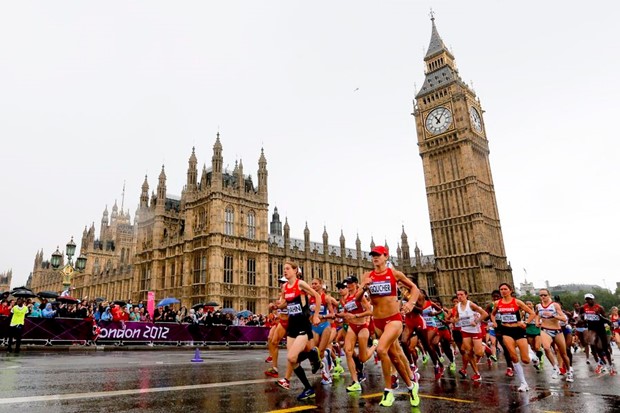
(388, 399)
(414, 396)
(338, 370)
(355, 387)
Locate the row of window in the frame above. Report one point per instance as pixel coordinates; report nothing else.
(229, 223)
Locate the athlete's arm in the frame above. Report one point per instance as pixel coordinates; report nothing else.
(413, 291)
(317, 300)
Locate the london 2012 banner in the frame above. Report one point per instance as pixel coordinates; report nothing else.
(59, 330)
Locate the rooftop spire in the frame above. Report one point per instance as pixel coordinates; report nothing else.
(436, 45)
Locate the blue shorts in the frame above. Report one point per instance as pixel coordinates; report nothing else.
(320, 328)
(491, 332)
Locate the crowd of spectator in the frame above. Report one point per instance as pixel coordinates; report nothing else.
(102, 310)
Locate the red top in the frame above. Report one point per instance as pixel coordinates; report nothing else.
(291, 293)
(383, 285)
(351, 305)
(508, 312)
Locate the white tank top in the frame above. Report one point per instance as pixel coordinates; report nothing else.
(466, 317)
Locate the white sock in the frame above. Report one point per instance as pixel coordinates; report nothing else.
(533, 355)
(519, 371)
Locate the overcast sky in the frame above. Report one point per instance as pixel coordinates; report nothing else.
(97, 94)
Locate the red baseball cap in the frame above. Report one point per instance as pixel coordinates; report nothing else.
(379, 250)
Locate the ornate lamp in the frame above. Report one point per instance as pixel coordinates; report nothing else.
(56, 258)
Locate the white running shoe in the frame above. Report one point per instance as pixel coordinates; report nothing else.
(523, 387)
(555, 373)
(569, 377)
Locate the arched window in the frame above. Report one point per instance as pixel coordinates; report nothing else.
(229, 221)
(251, 225)
(96, 267)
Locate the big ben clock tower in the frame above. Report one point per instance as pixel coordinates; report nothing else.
(465, 226)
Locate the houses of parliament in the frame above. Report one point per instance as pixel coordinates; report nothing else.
(219, 242)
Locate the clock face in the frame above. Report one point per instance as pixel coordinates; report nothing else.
(438, 120)
(476, 121)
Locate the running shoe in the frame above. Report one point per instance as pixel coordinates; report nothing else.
(510, 372)
(536, 366)
(587, 361)
(612, 371)
(425, 359)
(325, 379)
(562, 370)
(284, 383)
(493, 357)
(542, 361)
(354, 387)
(439, 372)
(269, 359)
(476, 377)
(441, 359)
(452, 367)
(569, 377)
(338, 370)
(555, 373)
(328, 359)
(463, 373)
(414, 398)
(388, 399)
(394, 381)
(415, 375)
(375, 342)
(315, 361)
(523, 387)
(306, 394)
(271, 372)
(599, 369)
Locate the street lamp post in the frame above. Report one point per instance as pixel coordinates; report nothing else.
(68, 270)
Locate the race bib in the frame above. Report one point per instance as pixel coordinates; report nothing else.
(591, 317)
(464, 321)
(350, 306)
(546, 313)
(430, 321)
(615, 325)
(380, 288)
(294, 309)
(508, 318)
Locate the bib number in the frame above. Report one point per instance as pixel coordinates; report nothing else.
(380, 288)
(509, 318)
(350, 306)
(294, 309)
(591, 317)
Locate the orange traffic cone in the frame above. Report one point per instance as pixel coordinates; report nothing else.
(197, 358)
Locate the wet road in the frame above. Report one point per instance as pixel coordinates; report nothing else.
(233, 381)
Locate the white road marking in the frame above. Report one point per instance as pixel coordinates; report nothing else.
(129, 392)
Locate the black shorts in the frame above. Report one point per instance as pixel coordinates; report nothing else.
(298, 326)
(515, 333)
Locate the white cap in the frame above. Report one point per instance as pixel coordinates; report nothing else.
(283, 279)
(588, 295)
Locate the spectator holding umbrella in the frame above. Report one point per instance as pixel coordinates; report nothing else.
(18, 312)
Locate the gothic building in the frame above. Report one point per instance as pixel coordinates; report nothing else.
(213, 243)
(452, 140)
(5, 280)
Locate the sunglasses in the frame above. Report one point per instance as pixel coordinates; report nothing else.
(544, 295)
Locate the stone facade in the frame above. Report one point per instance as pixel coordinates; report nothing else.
(214, 243)
(452, 140)
(5, 280)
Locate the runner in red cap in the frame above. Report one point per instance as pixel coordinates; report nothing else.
(381, 284)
